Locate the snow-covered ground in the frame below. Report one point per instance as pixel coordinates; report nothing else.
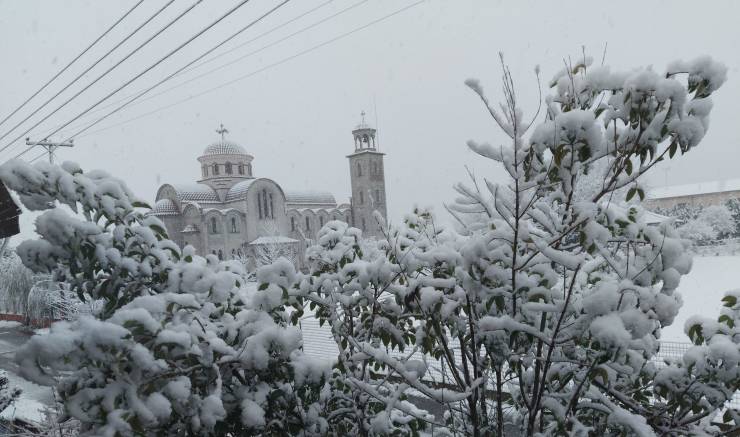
(35, 399)
(702, 291)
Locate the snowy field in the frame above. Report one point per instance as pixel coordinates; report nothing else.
(702, 290)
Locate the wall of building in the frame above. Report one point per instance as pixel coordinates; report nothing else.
(706, 199)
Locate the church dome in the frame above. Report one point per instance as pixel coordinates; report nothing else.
(224, 147)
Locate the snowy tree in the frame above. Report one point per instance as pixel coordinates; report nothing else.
(274, 246)
(720, 219)
(711, 223)
(16, 282)
(698, 231)
(181, 347)
(545, 311)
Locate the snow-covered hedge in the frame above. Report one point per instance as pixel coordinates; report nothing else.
(543, 309)
(181, 346)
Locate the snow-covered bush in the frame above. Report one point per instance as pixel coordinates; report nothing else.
(711, 223)
(16, 282)
(181, 347)
(545, 309)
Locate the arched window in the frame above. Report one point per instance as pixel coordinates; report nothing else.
(241, 169)
(359, 169)
(272, 212)
(205, 171)
(228, 168)
(308, 224)
(233, 225)
(220, 255)
(363, 223)
(321, 221)
(362, 197)
(215, 169)
(292, 224)
(214, 226)
(259, 204)
(365, 139)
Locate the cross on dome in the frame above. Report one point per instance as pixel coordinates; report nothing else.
(223, 131)
(362, 114)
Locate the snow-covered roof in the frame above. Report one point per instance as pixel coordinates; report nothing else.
(200, 193)
(239, 190)
(278, 239)
(653, 218)
(164, 207)
(694, 189)
(224, 147)
(310, 198)
(318, 341)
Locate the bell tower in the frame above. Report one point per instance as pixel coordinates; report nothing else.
(367, 176)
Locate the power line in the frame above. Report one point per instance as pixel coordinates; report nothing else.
(104, 74)
(269, 31)
(66, 87)
(275, 64)
(206, 53)
(172, 52)
(241, 58)
(43, 87)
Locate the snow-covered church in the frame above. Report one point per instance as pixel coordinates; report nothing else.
(232, 213)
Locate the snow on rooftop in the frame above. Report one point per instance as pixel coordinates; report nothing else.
(694, 189)
(164, 207)
(195, 193)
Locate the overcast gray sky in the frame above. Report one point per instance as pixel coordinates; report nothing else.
(296, 117)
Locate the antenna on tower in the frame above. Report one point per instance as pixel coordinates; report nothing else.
(377, 126)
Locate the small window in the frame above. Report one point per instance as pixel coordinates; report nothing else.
(321, 221)
(308, 224)
(272, 212)
(215, 169)
(362, 198)
(214, 226)
(241, 169)
(292, 224)
(220, 255)
(259, 204)
(249, 169)
(205, 171)
(228, 168)
(359, 169)
(363, 223)
(378, 200)
(233, 225)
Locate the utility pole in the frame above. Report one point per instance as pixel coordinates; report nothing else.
(50, 146)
